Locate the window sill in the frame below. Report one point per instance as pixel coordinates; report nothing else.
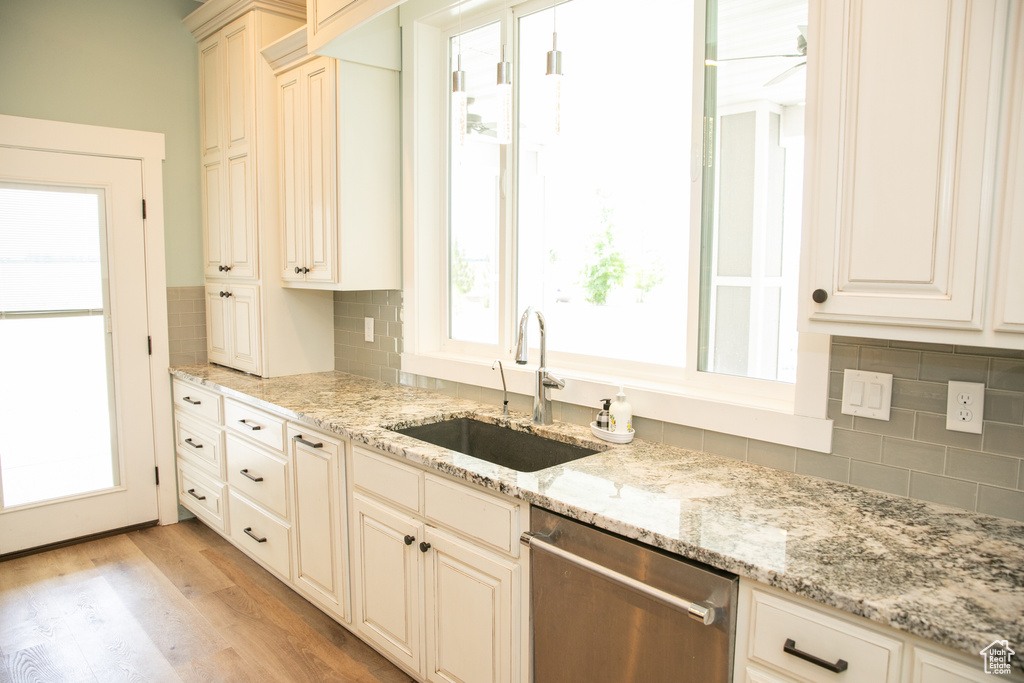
(745, 416)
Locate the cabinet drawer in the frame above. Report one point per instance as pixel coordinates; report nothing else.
(259, 474)
(255, 424)
(204, 496)
(387, 478)
(191, 400)
(491, 521)
(264, 538)
(201, 444)
(870, 656)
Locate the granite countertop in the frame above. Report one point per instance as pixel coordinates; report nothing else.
(950, 576)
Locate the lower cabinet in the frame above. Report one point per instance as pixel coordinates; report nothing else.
(442, 605)
(785, 639)
(233, 326)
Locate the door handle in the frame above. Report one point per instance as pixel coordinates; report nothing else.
(248, 532)
(790, 649)
(245, 473)
(304, 442)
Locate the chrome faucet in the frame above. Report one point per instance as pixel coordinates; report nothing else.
(545, 380)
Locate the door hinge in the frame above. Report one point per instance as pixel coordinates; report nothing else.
(149, 342)
(143, 209)
(156, 470)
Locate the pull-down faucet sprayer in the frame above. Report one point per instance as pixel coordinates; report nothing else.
(545, 380)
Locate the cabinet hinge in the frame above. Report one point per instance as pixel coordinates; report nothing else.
(156, 470)
(143, 209)
(149, 342)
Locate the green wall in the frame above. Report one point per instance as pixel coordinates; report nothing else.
(121, 64)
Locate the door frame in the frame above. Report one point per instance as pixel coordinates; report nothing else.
(148, 148)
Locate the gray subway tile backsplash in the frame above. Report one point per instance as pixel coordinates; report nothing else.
(871, 475)
(186, 324)
(377, 359)
(913, 455)
(1004, 439)
(944, 490)
(897, 362)
(982, 467)
(1001, 502)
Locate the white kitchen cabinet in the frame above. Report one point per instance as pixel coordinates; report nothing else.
(903, 120)
(227, 115)
(388, 580)
(321, 535)
(273, 333)
(437, 600)
(331, 26)
(339, 172)
(1009, 291)
(769, 622)
(199, 445)
(233, 326)
(471, 632)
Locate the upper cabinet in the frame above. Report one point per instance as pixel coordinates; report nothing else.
(906, 109)
(228, 118)
(338, 27)
(339, 172)
(254, 324)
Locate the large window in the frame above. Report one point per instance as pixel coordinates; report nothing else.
(613, 179)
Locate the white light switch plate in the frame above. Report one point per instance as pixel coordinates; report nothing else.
(867, 394)
(368, 329)
(965, 407)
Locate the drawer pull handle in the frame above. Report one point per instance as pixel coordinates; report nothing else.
(248, 532)
(253, 427)
(409, 539)
(193, 445)
(188, 399)
(304, 442)
(192, 492)
(245, 473)
(424, 546)
(790, 649)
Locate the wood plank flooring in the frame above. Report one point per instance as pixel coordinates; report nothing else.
(173, 603)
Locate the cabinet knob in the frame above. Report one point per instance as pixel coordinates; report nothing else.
(225, 294)
(298, 271)
(819, 296)
(424, 546)
(409, 539)
(223, 269)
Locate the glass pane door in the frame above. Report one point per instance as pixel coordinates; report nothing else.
(57, 435)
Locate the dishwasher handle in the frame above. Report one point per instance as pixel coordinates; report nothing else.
(705, 614)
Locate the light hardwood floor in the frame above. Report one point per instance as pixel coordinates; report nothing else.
(173, 603)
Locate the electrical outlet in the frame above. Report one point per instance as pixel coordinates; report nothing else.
(368, 329)
(965, 407)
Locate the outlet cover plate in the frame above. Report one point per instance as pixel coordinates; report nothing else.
(867, 394)
(965, 407)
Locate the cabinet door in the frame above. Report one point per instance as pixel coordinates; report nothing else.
(1009, 299)
(388, 577)
(245, 328)
(903, 98)
(240, 123)
(319, 108)
(929, 667)
(317, 467)
(472, 613)
(211, 130)
(218, 325)
(293, 205)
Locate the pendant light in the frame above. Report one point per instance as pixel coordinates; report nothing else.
(504, 100)
(554, 74)
(504, 132)
(460, 100)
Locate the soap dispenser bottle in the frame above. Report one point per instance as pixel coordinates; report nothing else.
(603, 419)
(621, 414)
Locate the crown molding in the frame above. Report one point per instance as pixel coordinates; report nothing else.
(288, 51)
(215, 14)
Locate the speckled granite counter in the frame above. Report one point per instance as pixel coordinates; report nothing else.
(953, 577)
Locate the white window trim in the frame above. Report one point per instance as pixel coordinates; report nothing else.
(793, 415)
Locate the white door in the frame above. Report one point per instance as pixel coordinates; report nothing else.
(76, 412)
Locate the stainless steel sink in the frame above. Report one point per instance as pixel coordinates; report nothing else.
(520, 451)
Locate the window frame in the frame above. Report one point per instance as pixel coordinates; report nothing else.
(792, 414)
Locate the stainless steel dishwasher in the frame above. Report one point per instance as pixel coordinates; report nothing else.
(609, 610)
